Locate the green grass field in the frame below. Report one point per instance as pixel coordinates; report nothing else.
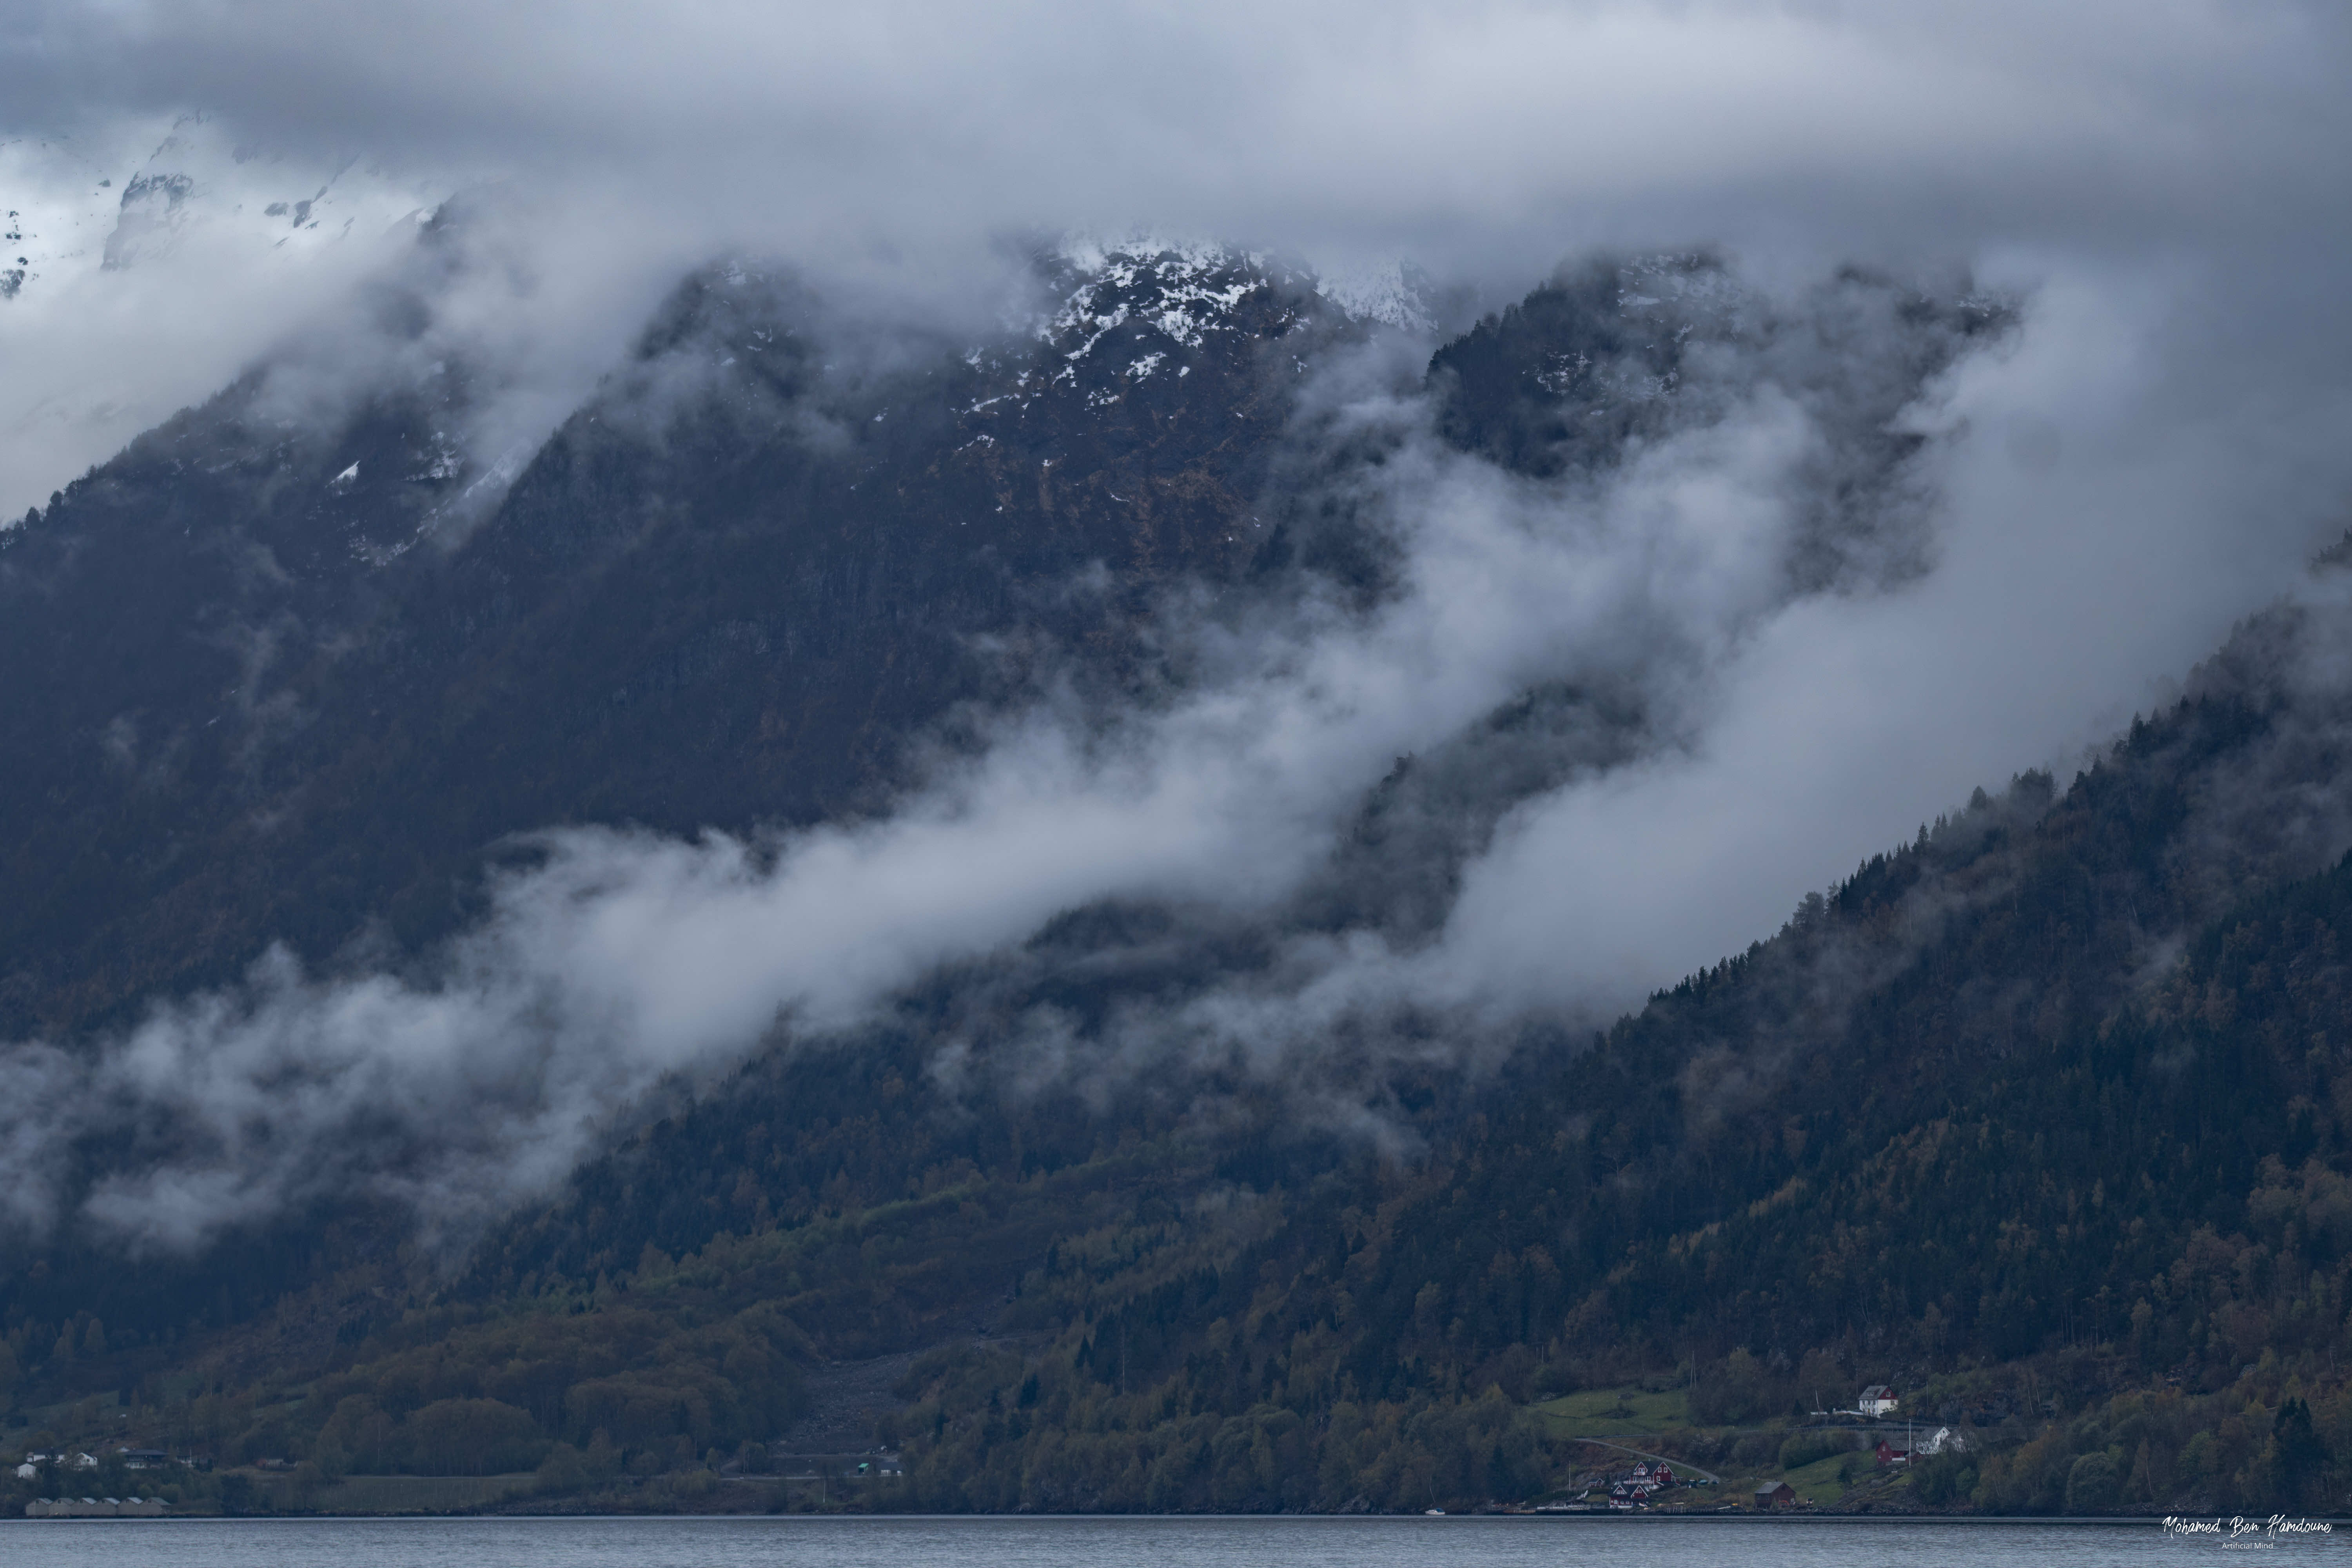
(1618, 1413)
(1818, 1482)
(1627, 1415)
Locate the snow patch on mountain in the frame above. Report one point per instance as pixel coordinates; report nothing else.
(1184, 290)
(1391, 292)
(139, 274)
(1689, 289)
(75, 207)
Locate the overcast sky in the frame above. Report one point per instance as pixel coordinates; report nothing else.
(1437, 128)
(893, 140)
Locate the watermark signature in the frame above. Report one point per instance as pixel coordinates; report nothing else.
(2242, 1535)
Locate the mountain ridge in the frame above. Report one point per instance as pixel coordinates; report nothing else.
(751, 587)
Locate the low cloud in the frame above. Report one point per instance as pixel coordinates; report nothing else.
(1759, 689)
(1770, 728)
(891, 148)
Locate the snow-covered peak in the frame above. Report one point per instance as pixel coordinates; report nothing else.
(1196, 282)
(1087, 254)
(140, 274)
(1391, 292)
(1184, 290)
(75, 207)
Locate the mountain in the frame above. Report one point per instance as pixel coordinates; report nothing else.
(141, 264)
(1946, 1128)
(2036, 1115)
(230, 629)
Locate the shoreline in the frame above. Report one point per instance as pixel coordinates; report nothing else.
(1841, 1520)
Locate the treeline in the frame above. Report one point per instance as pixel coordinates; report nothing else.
(1063, 1442)
(2253, 1449)
(455, 1391)
(1998, 1148)
(1967, 1125)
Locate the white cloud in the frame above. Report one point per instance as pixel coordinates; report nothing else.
(897, 140)
(2151, 460)
(2080, 574)
(481, 1076)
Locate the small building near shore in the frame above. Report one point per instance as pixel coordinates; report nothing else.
(96, 1508)
(1775, 1494)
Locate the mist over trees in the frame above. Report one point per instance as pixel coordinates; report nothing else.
(1230, 1186)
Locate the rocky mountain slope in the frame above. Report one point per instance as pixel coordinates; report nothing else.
(2046, 1096)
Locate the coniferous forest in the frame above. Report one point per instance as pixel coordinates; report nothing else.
(2043, 1118)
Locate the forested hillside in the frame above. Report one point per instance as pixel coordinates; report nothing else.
(1970, 1122)
(2045, 1115)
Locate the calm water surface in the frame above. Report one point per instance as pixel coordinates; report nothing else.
(1112, 1544)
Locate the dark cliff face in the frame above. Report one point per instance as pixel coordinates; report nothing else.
(256, 694)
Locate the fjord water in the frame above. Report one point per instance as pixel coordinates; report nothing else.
(799, 1542)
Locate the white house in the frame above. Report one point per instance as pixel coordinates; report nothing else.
(28, 1471)
(1876, 1400)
